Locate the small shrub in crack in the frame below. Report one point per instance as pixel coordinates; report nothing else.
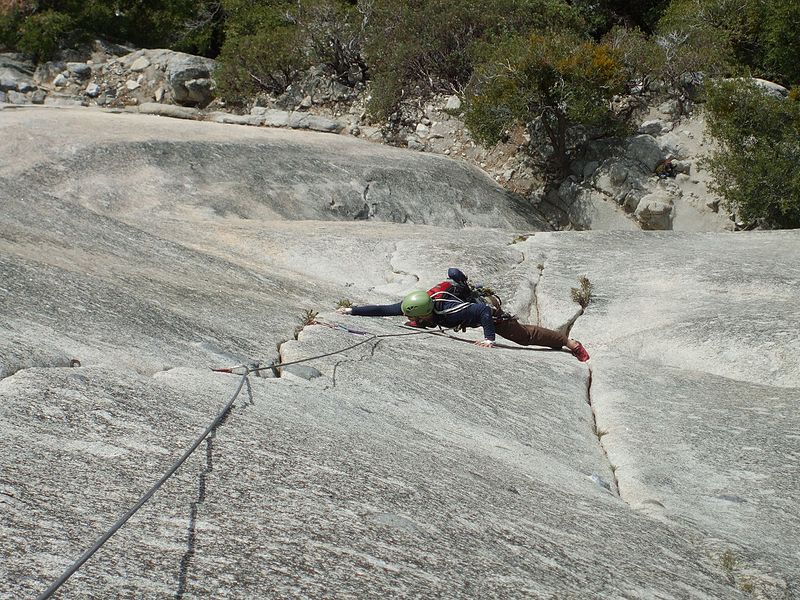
(519, 238)
(307, 318)
(728, 561)
(600, 433)
(747, 586)
(540, 266)
(344, 303)
(583, 294)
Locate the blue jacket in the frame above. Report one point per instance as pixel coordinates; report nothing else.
(473, 315)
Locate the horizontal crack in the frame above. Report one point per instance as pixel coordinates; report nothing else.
(10, 369)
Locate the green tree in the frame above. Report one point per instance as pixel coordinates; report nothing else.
(642, 59)
(693, 43)
(755, 167)
(557, 81)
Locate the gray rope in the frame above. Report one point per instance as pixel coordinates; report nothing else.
(122, 520)
(369, 339)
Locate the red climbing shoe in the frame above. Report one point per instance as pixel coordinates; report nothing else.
(580, 353)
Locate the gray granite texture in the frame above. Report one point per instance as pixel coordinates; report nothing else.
(414, 465)
(127, 163)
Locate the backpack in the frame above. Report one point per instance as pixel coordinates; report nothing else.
(456, 293)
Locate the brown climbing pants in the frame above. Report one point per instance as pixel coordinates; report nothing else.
(529, 335)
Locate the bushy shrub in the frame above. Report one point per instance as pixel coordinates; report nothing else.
(604, 15)
(760, 36)
(781, 41)
(756, 165)
(641, 58)
(10, 20)
(269, 42)
(334, 33)
(41, 28)
(43, 34)
(425, 46)
(260, 52)
(692, 43)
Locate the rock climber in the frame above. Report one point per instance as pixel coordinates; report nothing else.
(454, 304)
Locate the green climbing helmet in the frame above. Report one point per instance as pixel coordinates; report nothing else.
(417, 304)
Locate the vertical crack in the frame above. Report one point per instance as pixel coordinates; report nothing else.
(535, 306)
(191, 537)
(599, 434)
(397, 271)
(366, 193)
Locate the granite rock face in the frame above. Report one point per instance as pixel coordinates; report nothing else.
(266, 174)
(135, 256)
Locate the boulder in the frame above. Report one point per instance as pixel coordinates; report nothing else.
(587, 208)
(771, 88)
(140, 64)
(652, 127)
(453, 104)
(168, 110)
(654, 211)
(190, 79)
(414, 143)
(13, 97)
(618, 176)
(673, 145)
(645, 150)
(299, 120)
(683, 166)
(15, 74)
(223, 117)
(79, 69)
(46, 72)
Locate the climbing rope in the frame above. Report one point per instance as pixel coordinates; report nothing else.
(335, 326)
(214, 424)
(124, 518)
